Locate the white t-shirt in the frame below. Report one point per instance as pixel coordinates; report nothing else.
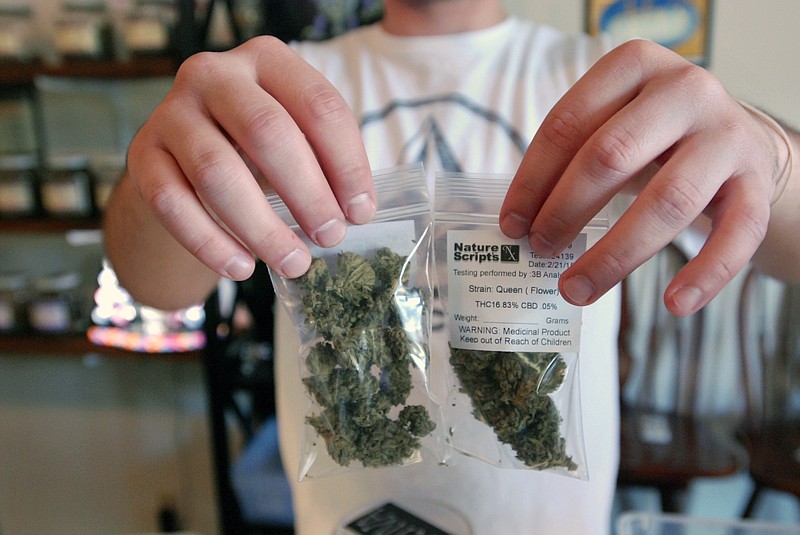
(467, 102)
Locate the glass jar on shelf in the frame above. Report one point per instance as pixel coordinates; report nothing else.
(54, 306)
(66, 187)
(149, 28)
(16, 33)
(19, 133)
(107, 170)
(13, 300)
(83, 30)
(19, 185)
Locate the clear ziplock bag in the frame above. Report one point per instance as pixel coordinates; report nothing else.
(362, 312)
(513, 391)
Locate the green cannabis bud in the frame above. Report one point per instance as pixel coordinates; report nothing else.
(360, 370)
(510, 393)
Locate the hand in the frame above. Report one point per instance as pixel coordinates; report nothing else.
(232, 119)
(645, 120)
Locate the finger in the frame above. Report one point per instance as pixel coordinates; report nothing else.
(333, 132)
(271, 139)
(619, 151)
(610, 86)
(279, 149)
(575, 117)
(164, 189)
(676, 195)
(297, 129)
(740, 223)
(205, 170)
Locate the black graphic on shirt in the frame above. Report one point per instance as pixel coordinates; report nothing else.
(428, 141)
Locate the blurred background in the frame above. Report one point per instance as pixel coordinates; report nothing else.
(111, 420)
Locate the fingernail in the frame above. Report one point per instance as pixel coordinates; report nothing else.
(330, 233)
(239, 267)
(360, 209)
(541, 246)
(578, 289)
(687, 298)
(515, 226)
(294, 264)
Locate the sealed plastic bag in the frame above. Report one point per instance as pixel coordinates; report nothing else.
(362, 313)
(513, 396)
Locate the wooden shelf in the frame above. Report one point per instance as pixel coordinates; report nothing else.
(18, 74)
(78, 345)
(52, 224)
(133, 68)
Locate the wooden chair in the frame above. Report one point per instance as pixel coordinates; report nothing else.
(664, 442)
(769, 330)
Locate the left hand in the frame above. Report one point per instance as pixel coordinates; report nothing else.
(647, 121)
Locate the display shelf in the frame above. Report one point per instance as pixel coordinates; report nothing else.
(50, 224)
(18, 74)
(76, 344)
(144, 67)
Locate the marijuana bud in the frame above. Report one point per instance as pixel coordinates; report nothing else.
(360, 370)
(510, 393)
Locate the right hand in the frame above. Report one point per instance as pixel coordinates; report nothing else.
(235, 124)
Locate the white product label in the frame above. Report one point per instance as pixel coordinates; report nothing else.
(503, 297)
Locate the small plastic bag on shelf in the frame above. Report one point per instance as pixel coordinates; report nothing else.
(362, 315)
(513, 396)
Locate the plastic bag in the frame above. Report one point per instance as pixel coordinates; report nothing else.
(513, 396)
(362, 314)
